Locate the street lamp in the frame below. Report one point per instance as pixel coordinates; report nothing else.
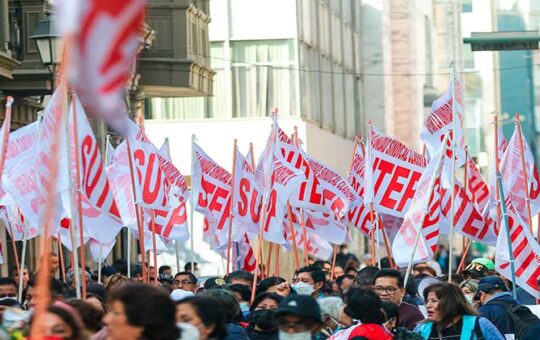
(48, 41)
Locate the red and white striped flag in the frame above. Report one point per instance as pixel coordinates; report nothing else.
(423, 216)
(526, 253)
(359, 215)
(442, 119)
(477, 187)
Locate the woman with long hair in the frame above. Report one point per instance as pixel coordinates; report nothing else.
(205, 313)
(450, 316)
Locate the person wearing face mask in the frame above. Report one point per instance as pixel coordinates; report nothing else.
(242, 293)
(205, 313)
(391, 324)
(451, 317)
(262, 319)
(299, 318)
(330, 307)
(309, 280)
(469, 288)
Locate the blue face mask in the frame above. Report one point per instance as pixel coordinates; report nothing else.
(245, 309)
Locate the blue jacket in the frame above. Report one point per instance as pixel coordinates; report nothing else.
(496, 314)
(236, 332)
(467, 330)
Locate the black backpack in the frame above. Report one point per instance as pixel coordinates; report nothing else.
(521, 317)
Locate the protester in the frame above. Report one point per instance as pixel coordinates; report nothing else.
(140, 311)
(56, 292)
(262, 320)
(25, 275)
(91, 316)
(206, 314)
(240, 277)
(165, 272)
(499, 307)
(343, 256)
(450, 316)
(364, 278)
(325, 266)
(242, 293)
(469, 288)
(107, 272)
(8, 288)
(344, 282)
(185, 280)
(195, 271)
(388, 284)
(116, 281)
(274, 284)
(476, 270)
(365, 306)
(366, 261)
(330, 307)
(233, 314)
(299, 317)
(62, 321)
(310, 281)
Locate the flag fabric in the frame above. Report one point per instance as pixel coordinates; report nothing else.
(422, 217)
(4, 133)
(242, 253)
(247, 198)
(101, 217)
(14, 222)
(477, 187)
(359, 215)
(100, 251)
(442, 119)
(515, 186)
(393, 171)
(150, 179)
(525, 249)
(106, 42)
(317, 246)
(211, 185)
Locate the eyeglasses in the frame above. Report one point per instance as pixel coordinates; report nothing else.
(8, 295)
(183, 282)
(387, 290)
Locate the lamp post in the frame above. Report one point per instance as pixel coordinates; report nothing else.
(48, 43)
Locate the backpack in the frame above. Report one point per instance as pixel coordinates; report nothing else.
(402, 333)
(521, 317)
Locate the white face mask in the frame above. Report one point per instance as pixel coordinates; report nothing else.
(303, 288)
(470, 299)
(188, 331)
(294, 336)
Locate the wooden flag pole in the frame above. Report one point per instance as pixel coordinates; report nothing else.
(78, 196)
(269, 258)
(464, 256)
(302, 216)
(23, 258)
(140, 228)
(100, 262)
(524, 170)
(425, 211)
(154, 247)
(388, 248)
(293, 233)
(14, 246)
(61, 255)
(276, 264)
(333, 262)
(192, 205)
(231, 211)
(258, 253)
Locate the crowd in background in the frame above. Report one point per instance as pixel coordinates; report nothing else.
(351, 300)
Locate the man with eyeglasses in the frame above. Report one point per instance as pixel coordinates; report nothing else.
(299, 317)
(388, 284)
(185, 281)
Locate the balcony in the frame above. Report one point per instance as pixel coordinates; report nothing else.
(177, 64)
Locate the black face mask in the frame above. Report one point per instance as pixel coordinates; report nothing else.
(265, 319)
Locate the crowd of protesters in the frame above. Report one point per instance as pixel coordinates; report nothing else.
(354, 301)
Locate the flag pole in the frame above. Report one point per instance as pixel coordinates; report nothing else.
(99, 262)
(269, 258)
(502, 202)
(154, 247)
(302, 216)
(129, 252)
(23, 259)
(333, 262)
(231, 206)
(293, 233)
(260, 251)
(14, 246)
(453, 179)
(524, 170)
(276, 265)
(137, 214)
(61, 254)
(464, 256)
(78, 195)
(465, 185)
(425, 211)
(192, 205)
(496, 135)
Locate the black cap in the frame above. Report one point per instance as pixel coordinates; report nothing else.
(489, 283)
(300, 305)
(214, 282)
(477, 270)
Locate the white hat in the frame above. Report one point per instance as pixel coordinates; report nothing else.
(180, 294)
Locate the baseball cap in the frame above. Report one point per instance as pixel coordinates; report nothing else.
(476, 269)
(214, 282)
(486, 262)
(490, 283)
(300, 305)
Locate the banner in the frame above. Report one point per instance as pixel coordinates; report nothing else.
(441, 119)
(477, 187)
(247, 198)
(359, 215)
(14, 222)
(422, 216)
(394, 174)
(120, 180)
(525, 249)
